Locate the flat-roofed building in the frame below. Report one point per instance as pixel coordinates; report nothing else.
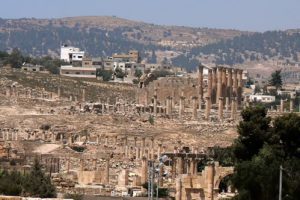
(132, 56)
(80, 72)
(262, 98)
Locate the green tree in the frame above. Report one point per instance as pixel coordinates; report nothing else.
(260, 150)
(253, 130)
(105, 74)
(276, 79)
(37, 184)
(15, 59)
(138, 73)
(11, 183)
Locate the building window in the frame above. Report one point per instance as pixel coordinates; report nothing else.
(77, 73)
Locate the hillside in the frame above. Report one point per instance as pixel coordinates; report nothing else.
(278, 45)
(101, 36)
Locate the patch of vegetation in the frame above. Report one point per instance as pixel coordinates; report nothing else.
(261, 149)
(151, 119)
(34, 184)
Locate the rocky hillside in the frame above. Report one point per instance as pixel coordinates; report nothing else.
(101, 36)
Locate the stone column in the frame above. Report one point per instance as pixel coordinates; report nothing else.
(155, 102)
(8, 89)
(220, 110)
(224, 82)
(200, 83)
(83, 95)
(229, 85)
(106, 140)
(178, 189)
(159, 151)
(135, 139)
(194, 108)
(214, 85)
(192, 166)
(144, 170)
(209, 83)
(169, 106)
(125, 146)
(143, 145)
(107, 172)
(152, 148)
(179, 165)
(210, 182)
(227, 103)
(160, 176)
(281, 105)
(207, 107)
(95, 164)
(81, 165)
(181, 105)
(292, 105)
(235, 84)
(240, 86)
(233, 108)
(58, 92)
(219, 84)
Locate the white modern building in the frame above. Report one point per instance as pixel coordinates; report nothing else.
(70, 54)
(262, 98)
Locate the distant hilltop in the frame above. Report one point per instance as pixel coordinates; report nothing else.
(102, 36)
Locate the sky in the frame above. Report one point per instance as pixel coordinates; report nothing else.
(251, 15)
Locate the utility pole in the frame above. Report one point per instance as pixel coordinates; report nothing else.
(280, 182)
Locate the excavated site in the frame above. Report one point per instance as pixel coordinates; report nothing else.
(99, 138)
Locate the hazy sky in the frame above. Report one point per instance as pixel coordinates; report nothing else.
(258, 15)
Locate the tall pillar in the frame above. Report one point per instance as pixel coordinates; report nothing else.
(169, 106)
(235, 83)
(281, 105)
(220, 110)
(107, 172)
(227, 103)
(8, 91)
(83, 95)
(159, 151)
(144, 170)
(95, 164)
(143, 146)
(214, 85)
(240, 86)
(152, 147)
(229, 84)
(58, 92)
(224, 83)
(135, 139)
(81, 165)
(219, 84)
(179, 165)
(207, 107)
(292, 105)
(160, 176)
(209, 83)
(192, 166)
(210, 181)
(178, 189)
(194, 107)
(200, 83)
(181, 106)
(155, 102)
(233, 108)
